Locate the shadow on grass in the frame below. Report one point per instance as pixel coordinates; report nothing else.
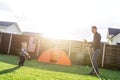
(9, 70)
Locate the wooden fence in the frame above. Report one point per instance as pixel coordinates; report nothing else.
(112, 57)
(76, 51)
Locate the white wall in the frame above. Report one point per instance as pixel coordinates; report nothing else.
(109, 41)
(12, 29)
(116, 39)
(2, 28)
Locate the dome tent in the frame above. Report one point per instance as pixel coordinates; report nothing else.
(54, 56)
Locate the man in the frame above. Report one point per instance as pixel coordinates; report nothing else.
(96, 49)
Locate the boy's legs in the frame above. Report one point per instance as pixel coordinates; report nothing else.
(23, 60)
(20, 62)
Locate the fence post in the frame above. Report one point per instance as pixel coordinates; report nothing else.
(38, 48)
(69, 51)
(103, 56)
(0, 37)
(82, 53)
(9, 46)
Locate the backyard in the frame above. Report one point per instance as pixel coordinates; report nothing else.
(34, 70)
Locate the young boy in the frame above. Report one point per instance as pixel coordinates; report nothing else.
(23, 54)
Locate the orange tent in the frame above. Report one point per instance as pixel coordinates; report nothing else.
(54, 56)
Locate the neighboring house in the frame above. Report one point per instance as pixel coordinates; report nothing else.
(9, 27)
(113, 36)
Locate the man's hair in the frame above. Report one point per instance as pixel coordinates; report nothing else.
(94, 27)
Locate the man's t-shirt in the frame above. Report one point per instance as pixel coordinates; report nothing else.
(96, 41)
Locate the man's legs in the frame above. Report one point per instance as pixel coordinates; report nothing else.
(95, 55)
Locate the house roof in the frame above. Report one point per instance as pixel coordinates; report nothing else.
(6, 24)
(113, 31)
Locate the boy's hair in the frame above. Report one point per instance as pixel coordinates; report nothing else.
(24, 44)
(94, 27)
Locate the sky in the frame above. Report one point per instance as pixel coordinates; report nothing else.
(64, 19)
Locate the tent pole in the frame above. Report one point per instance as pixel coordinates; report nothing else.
(69, 51)
(10, 43)
(103, 56)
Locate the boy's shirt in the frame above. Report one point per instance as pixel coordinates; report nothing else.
(23, 52)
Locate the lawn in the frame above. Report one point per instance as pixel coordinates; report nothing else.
(34, 70)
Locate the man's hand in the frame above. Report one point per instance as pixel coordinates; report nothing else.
(85, 41)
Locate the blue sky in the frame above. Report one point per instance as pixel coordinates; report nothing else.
(66, 19)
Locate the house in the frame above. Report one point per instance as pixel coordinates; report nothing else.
(9, 27)
(113, 36)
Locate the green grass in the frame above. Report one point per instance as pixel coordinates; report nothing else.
(34, 70)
